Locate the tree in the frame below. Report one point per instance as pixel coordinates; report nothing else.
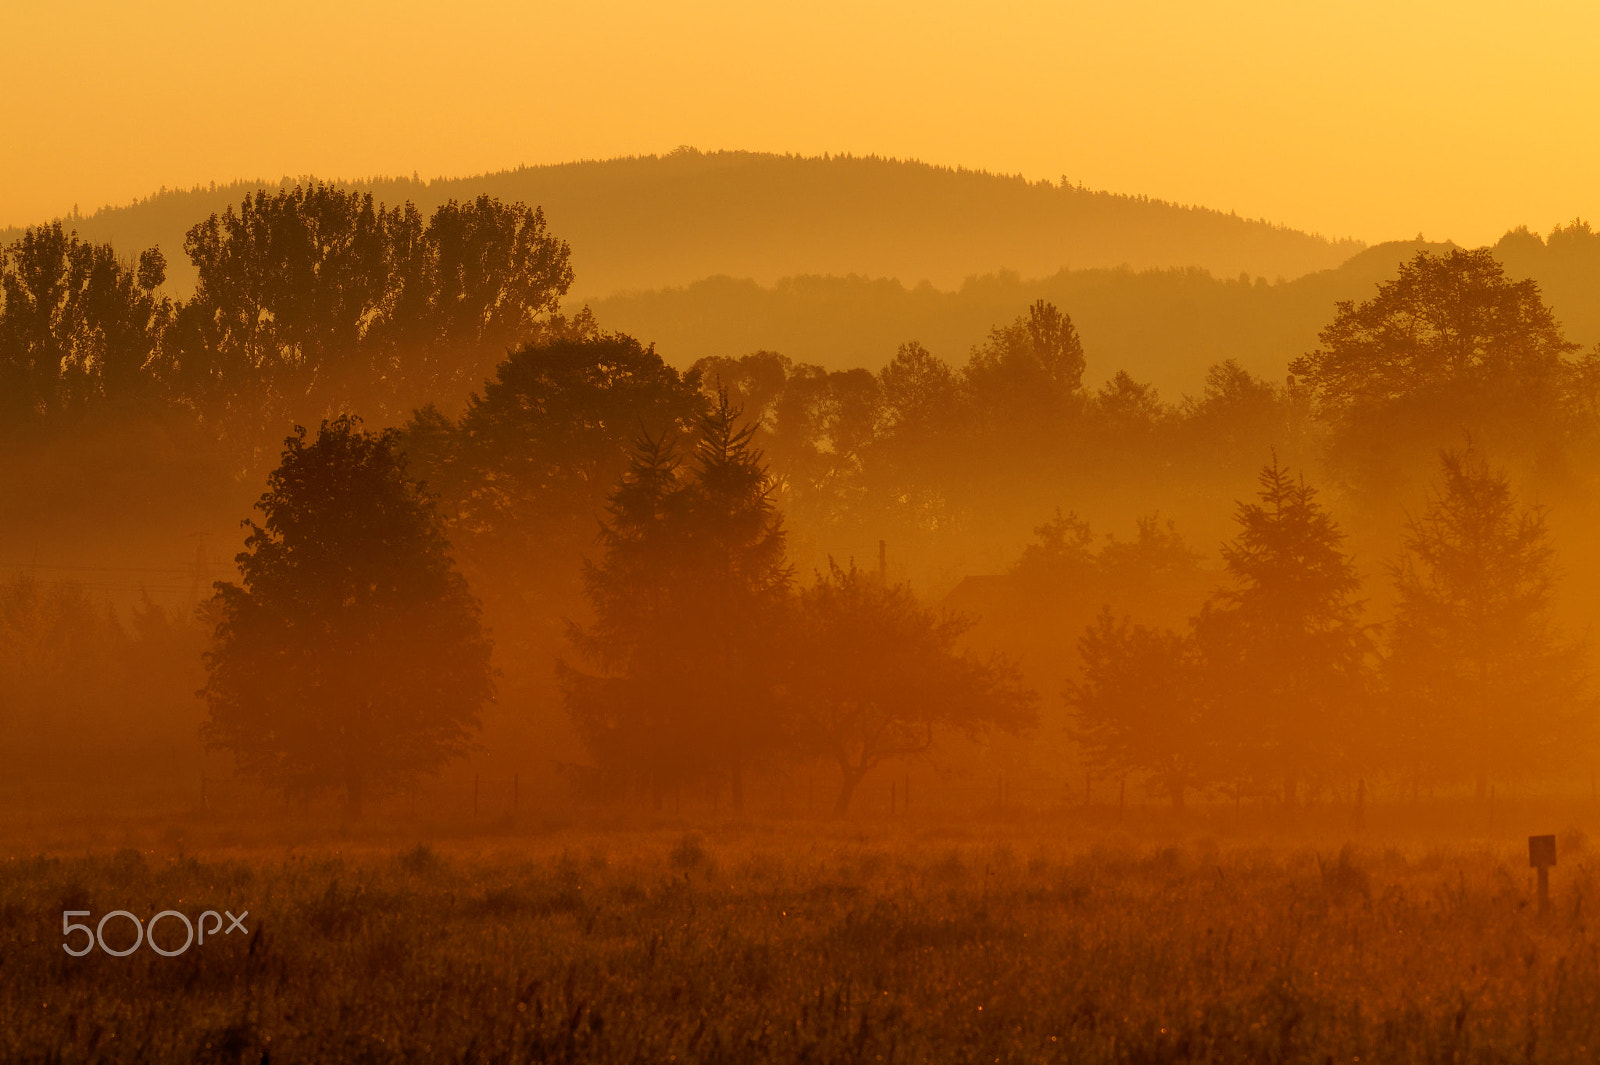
(919, 439)
(741, 582)
(631, 714)
(1285, 647)
(316, 298)
(874, 674)
(1138, 705)
(77, 325)
(524, 473)
(1483, 681)
(1235, 416)
(1029, 372)
(350, 656)
(1449, 344)
(688, 599)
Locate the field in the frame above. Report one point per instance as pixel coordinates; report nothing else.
(786, 940)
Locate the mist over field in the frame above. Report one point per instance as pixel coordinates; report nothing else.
(730, 606)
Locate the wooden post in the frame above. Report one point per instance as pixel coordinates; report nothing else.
(1122, 797)
(892, 786)
(516, 790)
(474, 795)
(1542, 855)
(202, 789)
(883, 563)
(906, 801)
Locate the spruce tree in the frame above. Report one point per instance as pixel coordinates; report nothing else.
(1483, 683)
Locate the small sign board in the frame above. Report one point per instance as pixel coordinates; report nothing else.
(1541, 851)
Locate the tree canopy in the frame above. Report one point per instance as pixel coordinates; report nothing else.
(350, 655)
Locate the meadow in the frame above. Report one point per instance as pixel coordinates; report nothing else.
(623, 939)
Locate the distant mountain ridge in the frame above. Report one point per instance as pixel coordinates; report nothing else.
(651, 222)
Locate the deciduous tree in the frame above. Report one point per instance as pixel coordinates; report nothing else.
(875, 675)
(350, 655)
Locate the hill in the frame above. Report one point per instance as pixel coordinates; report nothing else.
(1164, 326)
(659, 221)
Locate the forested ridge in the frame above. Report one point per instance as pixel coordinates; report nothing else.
(650, 221)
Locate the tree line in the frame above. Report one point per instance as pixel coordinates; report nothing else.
(698, 654)
(309, 300)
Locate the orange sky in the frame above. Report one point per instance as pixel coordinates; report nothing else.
(1365, 119)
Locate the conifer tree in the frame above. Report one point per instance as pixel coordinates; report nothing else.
(1483, 682)
(1285, 647)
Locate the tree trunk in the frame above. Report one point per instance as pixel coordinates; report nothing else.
(852, 777)
(736, 785)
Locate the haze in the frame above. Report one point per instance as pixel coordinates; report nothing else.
(1366, 120)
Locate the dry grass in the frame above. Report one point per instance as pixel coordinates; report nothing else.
(780, 942)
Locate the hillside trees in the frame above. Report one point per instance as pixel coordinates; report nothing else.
(350, 656)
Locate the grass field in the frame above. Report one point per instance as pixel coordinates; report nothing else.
(793, 941)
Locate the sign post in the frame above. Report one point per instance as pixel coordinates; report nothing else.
(1541, 856)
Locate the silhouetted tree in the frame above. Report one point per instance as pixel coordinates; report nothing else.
(1028, 374)
(1236, 416)
(741, 583)
(1450, 344)
(1140, 706)
(919, 442)
(632, 714)
(1482, 679)
(525, 472)
(77, 326)
(688, 600)
(482, 278)
(350, 656)
(1285, 648)
(1129, 412)
(875, 675)
(313, 298)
